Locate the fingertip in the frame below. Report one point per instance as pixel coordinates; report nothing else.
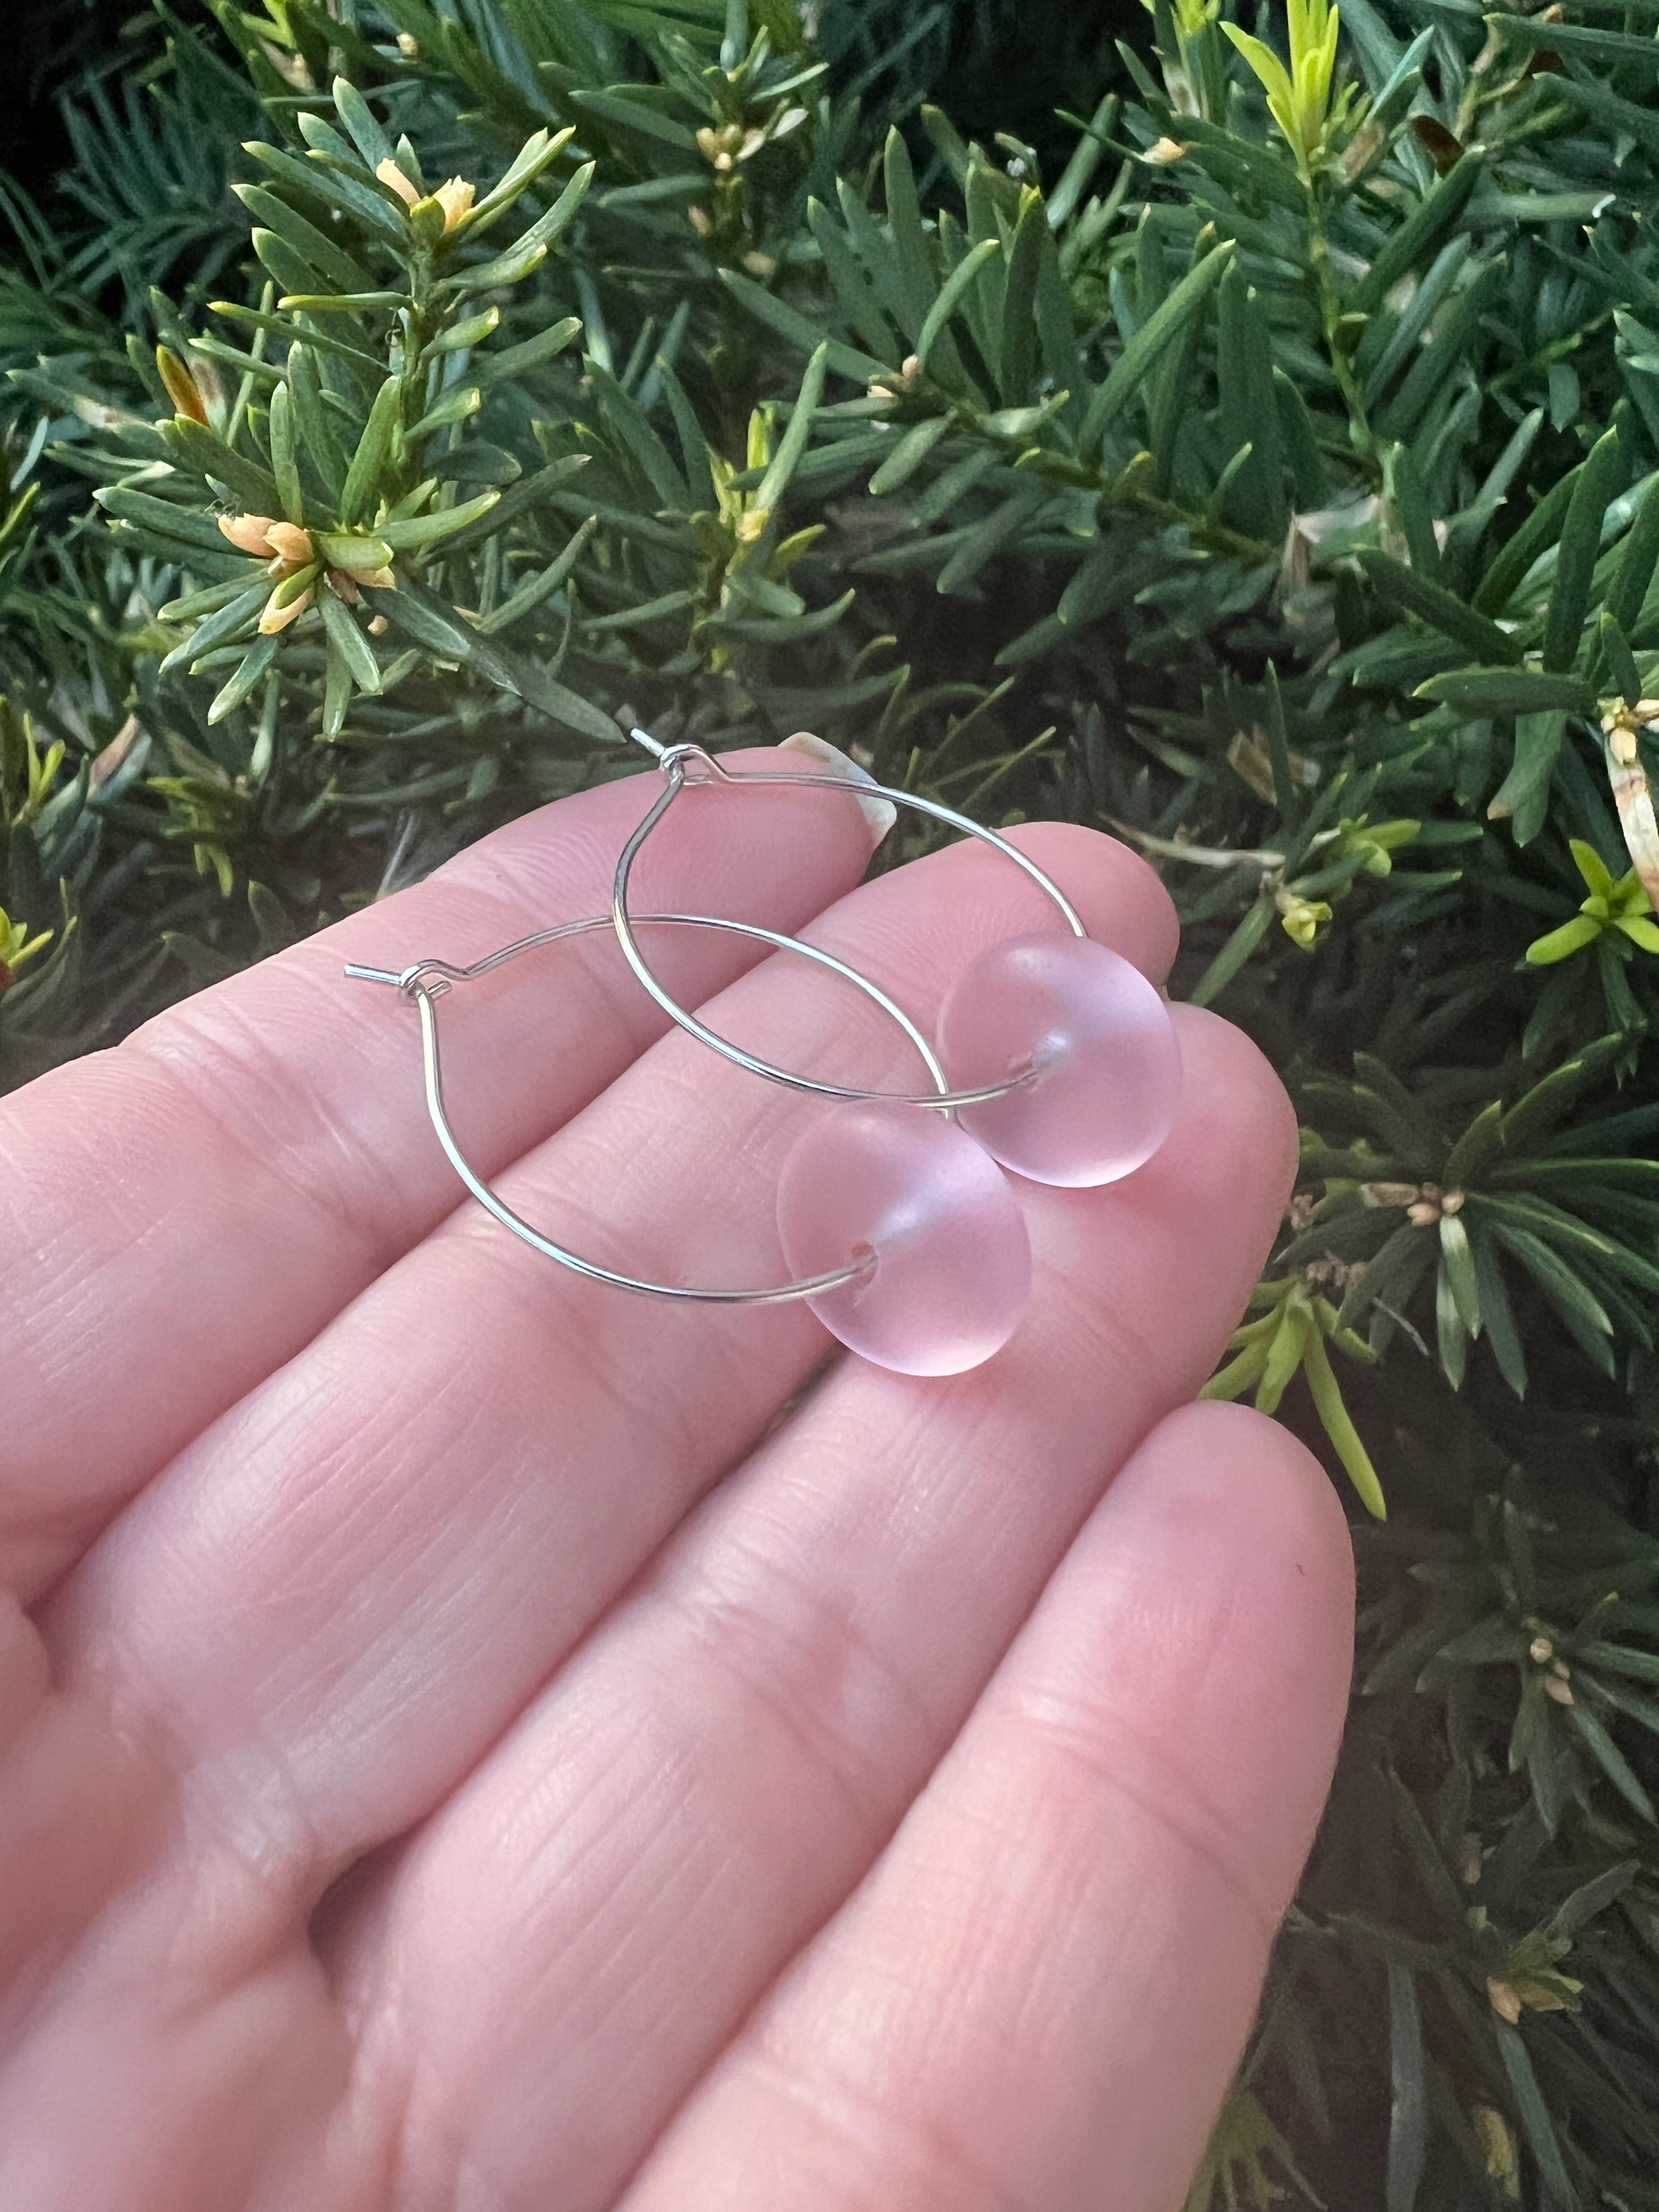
(1162, 1262)
(1120, 896)
(1256, 1471)
(822, 757)
(1225, 1537)
(1232, 1095)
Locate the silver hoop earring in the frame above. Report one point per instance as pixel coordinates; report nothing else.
(1057, 1059)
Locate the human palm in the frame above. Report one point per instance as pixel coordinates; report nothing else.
(471, 1740)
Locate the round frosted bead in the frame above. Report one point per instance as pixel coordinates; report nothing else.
(1100, 1036)
(952, 1271)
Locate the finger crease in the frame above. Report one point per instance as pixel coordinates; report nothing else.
(883, 2137)
(1157, 1787)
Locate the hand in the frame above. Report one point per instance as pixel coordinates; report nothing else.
(482, 1742)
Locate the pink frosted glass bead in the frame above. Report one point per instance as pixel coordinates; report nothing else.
(1108, 1080)
(953, 1264)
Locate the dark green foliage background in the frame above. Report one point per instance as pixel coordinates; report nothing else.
(1301, 527)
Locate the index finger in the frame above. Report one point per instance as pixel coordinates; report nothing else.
(181, 1215)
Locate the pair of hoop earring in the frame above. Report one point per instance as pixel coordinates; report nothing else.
(1057, 1060)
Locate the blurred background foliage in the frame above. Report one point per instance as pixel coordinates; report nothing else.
(1240, 434)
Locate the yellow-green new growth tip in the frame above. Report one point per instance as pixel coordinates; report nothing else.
(1293, 1336)
(1623, 906)
(1299, 98)
(18, 945)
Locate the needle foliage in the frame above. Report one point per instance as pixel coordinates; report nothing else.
(1247, 440)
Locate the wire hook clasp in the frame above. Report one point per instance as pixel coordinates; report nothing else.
(427, 978)
(674, 760)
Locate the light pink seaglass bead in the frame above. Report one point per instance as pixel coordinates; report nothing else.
(952, 1273)
(1108, 1063)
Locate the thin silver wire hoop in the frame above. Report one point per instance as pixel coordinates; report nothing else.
(427, 981)
(674, 761)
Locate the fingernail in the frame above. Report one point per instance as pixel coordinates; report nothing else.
(879, 813)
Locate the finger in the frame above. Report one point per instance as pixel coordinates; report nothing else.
(334, 1601)
(1038, 1996)
(183, 1213)
(573, 1939)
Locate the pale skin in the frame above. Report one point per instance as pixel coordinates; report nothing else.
(471, 1740)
